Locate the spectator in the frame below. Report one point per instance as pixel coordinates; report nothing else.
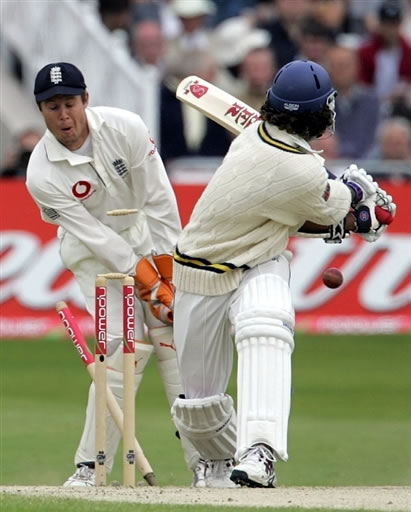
(115, 14)
(146, 10)
(406, 23)
(328, 145)
(257, 71)
(331, 14)
(362, 16)
(315, 41)
(183, 130)
(394, 137)
(284, 29)
(147, 43)
(227, 9)
(148, 49)
(356, 106)
(195, 34)
(232, 40)
(18, 157)
(401, 104)
(385, 59)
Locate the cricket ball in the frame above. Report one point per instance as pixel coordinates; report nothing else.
(332, 277)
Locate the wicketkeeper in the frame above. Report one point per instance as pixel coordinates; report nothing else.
(91, 161)
(232, 271)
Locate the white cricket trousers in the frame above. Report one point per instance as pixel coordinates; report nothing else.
(261, 315)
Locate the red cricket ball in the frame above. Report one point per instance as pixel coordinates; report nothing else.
(332, 277)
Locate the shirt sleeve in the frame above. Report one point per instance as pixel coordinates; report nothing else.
(326, 203)
(159, 204)
(311, 196)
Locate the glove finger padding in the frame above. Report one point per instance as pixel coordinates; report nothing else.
(361, 183)
(164, 264)
(162, 313)
(146, 275)
(385, 201)
(155, 290)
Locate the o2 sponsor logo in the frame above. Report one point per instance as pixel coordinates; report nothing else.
(81, 189)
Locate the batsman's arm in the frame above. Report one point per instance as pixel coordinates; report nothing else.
(235, 115)
(317, 229)
(336, 233)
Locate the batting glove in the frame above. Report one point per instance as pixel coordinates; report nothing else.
(372, 220)
(360, 183)
(385, 202)
(337, 233)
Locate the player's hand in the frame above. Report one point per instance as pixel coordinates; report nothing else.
(360, 183)
(153, 285)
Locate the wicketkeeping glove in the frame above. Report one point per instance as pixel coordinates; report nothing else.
(153, 285)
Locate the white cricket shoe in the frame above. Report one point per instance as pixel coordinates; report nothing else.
(83, 477)
(255, 467)
(213, 473)
(199, 477)
(218, 473)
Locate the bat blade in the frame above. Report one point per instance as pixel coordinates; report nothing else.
(220, 106)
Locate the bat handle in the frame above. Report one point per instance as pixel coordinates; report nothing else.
(383, 216)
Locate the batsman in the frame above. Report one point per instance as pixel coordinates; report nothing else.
(90, 161)
(232, 273)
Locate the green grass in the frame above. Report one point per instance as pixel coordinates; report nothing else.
(350, 422)
(20, 504)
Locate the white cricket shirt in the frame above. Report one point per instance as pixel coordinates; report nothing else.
(75, 191)
(268, 185)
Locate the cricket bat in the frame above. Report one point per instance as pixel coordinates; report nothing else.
(216, 104)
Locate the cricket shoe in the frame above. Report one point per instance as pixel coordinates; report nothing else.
(255, 468)
(218, 473)
(199, 477)
(84, 476)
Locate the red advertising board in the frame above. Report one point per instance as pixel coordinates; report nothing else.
(375, 296)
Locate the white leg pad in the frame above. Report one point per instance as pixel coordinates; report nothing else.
(264, 340)
(162, 340)
(209, 423)
(86, 449)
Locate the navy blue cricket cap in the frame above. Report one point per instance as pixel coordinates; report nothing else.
(58, 78)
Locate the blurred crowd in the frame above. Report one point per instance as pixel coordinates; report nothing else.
(240, 44)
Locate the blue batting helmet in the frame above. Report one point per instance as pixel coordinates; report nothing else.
(301, 86)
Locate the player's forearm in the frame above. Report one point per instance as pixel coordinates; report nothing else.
(312, 227)
(107, 246)
(160, 208)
